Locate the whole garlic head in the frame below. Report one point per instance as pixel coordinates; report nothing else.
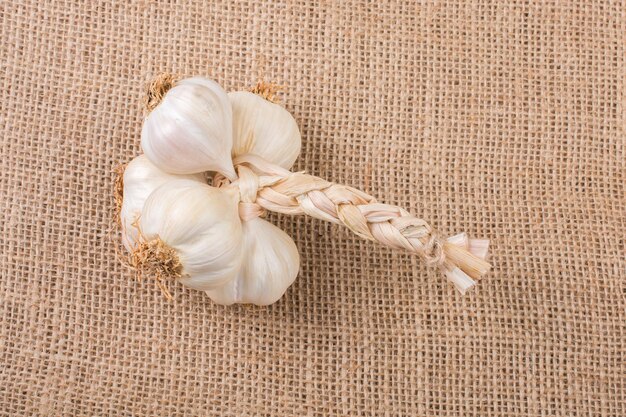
(270, 265)
(264, 128)
(190, 230)
(141, 178)
(190, 130)
(201, 225)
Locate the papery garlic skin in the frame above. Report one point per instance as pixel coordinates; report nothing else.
(202, 225)
(270, 265)
(264, 128)
(141, 178)
(190, 131)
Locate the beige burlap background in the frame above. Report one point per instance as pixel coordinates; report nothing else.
(502, 118)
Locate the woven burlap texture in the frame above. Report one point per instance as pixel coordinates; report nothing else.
(504, 119)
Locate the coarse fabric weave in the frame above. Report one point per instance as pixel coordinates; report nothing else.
(504, 119)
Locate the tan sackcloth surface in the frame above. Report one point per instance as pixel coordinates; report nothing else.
(504, 119)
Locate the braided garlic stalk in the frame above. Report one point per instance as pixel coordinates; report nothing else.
(213, 238)
(265, 186)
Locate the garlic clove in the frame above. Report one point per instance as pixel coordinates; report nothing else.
(264, 128)
(201, 225)
(141, 177)
(270, 265)
(190, 130)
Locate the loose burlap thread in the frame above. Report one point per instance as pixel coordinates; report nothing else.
(501, 118)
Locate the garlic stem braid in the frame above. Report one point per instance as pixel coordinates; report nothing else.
(273, 188)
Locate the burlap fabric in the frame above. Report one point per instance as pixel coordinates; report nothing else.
(502, 118)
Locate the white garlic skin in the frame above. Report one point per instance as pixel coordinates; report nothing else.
(264, 128)
(201, 223)
(190, 131)
(141, 178)
(270, 265)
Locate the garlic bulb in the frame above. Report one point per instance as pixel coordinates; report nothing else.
(200, 225)
(270, 265)
(264, 128)
(271, 260)
(190, 130)
(141, 177)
